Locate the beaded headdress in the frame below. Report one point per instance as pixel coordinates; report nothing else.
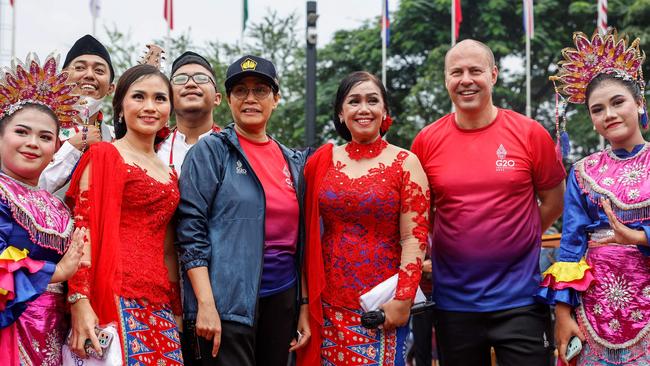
(30, 82)
(603, 54)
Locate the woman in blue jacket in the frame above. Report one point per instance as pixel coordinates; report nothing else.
(240, 232)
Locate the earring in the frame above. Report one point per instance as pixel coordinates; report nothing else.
(640, 110)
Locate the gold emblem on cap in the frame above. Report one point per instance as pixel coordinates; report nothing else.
(248, 64)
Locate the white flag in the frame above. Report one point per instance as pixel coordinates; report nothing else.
(95, 6)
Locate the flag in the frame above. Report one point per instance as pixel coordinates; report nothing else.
(95, 6)
(385, 24)
(458, 16)
(244, 18)
(168, 12)
(11, 2)
(602, 16)
(529, 19)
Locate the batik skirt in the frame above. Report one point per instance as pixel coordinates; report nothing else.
(149, 334)
(347, 342)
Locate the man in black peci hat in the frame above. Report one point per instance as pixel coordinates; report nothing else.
(195, 94)
(89, 65)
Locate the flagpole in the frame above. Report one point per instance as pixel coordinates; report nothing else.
(453, 36)
(528, 111)
(168, 10)
(602, 29)
(383, 43)
(453, 22)
(13, 31)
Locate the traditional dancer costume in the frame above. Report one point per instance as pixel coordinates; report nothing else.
(35, 231)
(608, 285)
(375, 225)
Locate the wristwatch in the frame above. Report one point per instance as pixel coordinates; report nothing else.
(304, 300)
(73, 298)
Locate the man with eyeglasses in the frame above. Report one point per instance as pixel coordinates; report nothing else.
(195, 96)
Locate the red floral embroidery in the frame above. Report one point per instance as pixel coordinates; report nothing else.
(362, 242)
(80, 282)
(358, 151)
(408, 279)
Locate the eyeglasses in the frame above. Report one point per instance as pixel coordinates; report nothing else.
(199, 78)
(259, 92)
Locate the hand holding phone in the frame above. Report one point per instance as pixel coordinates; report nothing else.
(105, 338)
(573, 348)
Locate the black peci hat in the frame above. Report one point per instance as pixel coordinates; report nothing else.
(250, 65)
(89, 45)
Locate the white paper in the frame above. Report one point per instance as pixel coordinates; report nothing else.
(383, 293)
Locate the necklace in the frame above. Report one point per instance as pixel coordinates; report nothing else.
(357, 151)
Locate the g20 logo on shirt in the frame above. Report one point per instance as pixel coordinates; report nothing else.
(503, 163)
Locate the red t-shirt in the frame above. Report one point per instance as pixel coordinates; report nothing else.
(281, 215)
(487, 226)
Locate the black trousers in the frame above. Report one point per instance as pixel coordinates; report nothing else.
(267, 343)
(422, 327)
(520, 336)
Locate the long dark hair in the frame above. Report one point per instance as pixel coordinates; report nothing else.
(345, 86)
(130, 76)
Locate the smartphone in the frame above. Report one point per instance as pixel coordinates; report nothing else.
(105, 338)
(573, 348)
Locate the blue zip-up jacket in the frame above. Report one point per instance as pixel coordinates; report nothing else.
(221, 219)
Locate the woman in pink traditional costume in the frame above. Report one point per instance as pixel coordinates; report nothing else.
(38, 249)
(126, 198)
(373, 200)
(602, 273)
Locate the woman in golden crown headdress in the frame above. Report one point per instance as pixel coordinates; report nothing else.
(601, 280)
(126, 198)
(38, 249)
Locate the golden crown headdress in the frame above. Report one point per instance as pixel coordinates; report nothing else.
(29, 82)
(602, 54)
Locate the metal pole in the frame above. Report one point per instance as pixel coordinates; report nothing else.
(13, 31)
(528, 111)
(310, 82)
(453, 22)
(383, 42)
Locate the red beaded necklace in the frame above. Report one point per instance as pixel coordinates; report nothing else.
(357, 151)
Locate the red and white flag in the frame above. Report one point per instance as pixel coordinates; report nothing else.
(458, 17)
(169, 13)
(602, 16)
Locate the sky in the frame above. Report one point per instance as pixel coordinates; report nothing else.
(43, 26)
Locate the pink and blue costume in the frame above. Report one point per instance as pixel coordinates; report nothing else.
(35, 230)
(609, 285)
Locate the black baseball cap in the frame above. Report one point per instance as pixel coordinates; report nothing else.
(250, 65)
(89, 45)
(190, 57)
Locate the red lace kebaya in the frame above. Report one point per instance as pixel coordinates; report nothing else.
(375, 225)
